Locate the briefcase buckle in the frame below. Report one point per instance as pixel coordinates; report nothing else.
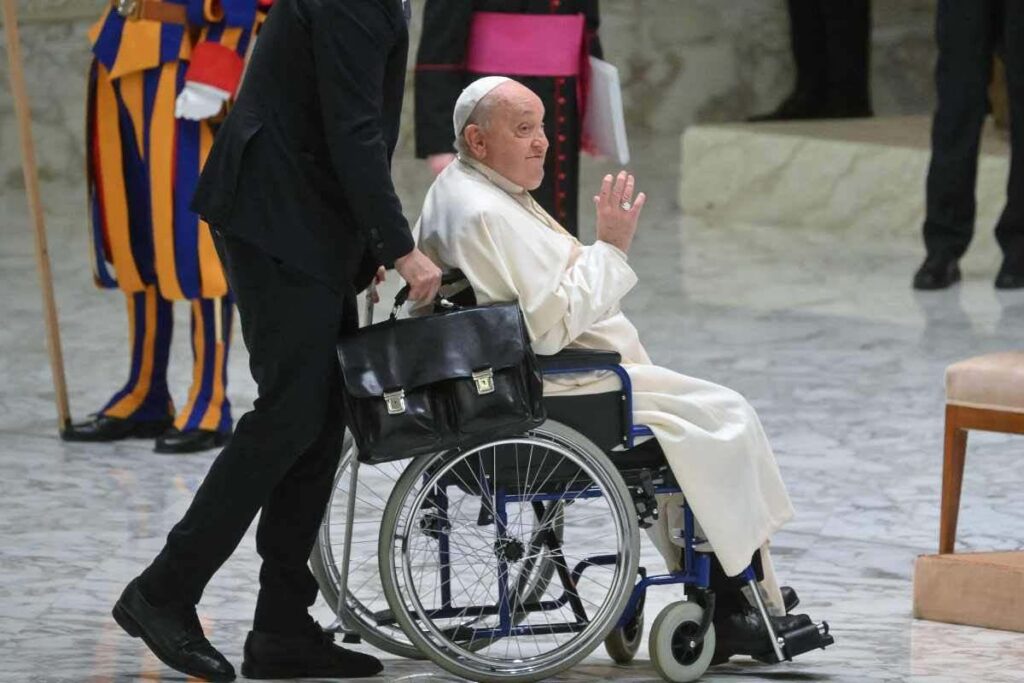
(484, 380)
(395, 401)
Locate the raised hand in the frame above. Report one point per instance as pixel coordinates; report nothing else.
(617, 213)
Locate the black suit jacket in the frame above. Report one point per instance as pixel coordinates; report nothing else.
(301, 167)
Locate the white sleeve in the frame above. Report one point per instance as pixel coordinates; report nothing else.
(589, 288)
(507, 260)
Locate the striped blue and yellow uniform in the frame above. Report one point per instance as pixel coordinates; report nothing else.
(143, 165)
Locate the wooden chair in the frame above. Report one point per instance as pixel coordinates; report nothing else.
(984, 393)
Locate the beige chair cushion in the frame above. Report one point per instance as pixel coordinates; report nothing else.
(994, 381)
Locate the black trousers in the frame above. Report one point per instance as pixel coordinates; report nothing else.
(831, 47)
(968, 34)
(284, 453)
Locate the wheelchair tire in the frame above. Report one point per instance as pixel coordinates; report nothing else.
(676, 655)
(370, 599)
(366, 606)
(403, 532)
(623, 642)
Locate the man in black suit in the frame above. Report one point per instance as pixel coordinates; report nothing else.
(298, 190)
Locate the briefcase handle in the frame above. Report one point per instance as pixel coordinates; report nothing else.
(449, 278)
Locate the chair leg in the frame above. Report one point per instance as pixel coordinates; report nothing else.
(952, 480)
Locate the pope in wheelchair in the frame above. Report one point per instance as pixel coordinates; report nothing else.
(512, 560)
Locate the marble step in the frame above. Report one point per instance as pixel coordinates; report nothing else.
(865, 177)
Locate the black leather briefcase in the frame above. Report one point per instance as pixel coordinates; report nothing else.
(446, 380)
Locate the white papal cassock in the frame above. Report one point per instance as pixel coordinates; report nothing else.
(510, 249)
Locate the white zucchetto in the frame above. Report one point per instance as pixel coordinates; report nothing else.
(471, 97)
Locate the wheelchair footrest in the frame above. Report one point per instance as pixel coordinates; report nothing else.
(801, 640)
(351, 639)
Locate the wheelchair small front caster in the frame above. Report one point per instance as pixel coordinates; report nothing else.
(623, 642)
(677, 650)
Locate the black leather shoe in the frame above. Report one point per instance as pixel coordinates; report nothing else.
(937, 272)
(789, 598)
(797, 106)
(103, 428)
(308, 655)
(189, 441)
(173, 634)
(1011, 276)
(743, 633)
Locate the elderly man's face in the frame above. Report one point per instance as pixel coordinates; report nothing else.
(512, 141)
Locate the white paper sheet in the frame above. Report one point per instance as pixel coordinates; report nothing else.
(605, 124)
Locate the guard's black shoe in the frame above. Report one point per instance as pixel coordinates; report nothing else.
(104, 428)
(1011, 275)
(174, 635)
(189, 441)
(937, 272)
(789, 598)
(743, 633)
(308, 655)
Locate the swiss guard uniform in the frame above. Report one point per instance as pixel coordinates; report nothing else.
(544, 44)
(160, 72)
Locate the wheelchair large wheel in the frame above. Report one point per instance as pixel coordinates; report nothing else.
(460, 549)
(367, 608)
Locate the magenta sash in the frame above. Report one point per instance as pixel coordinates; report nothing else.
(526, 44)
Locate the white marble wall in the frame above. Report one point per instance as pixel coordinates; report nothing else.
(682, 61)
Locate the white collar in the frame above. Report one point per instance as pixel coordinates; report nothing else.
(492, 175)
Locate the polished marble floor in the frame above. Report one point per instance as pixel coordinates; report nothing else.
(819, 329)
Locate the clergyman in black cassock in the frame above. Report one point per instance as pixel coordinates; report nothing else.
(443, 70)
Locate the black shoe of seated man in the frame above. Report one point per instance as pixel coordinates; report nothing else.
(173, 633)
(937, 272)
(306, 655)
(1011, 274)
(104, 428)
(189, 441)
(742, 632)
(789, 598)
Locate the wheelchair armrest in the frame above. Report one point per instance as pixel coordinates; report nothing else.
(570, 359)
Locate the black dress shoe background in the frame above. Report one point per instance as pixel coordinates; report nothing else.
(798, 106)
(104, 428)
(174, 440)
(306, 655)
(938, 271)
(1011, 274)
(172, 632)
(803, 106)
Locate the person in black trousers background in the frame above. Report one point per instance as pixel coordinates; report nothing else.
(968, 34)
(298, 190)
(831, 42)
